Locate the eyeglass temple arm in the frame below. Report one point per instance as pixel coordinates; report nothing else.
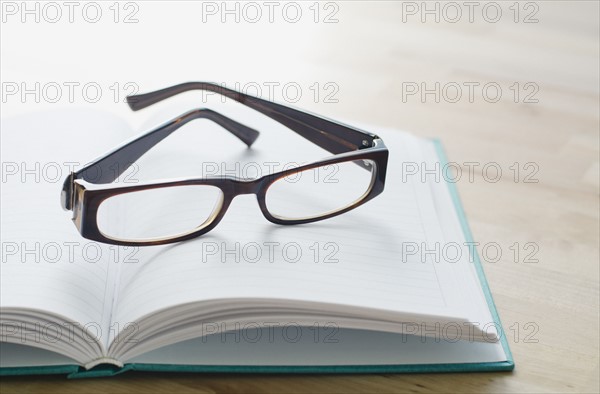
(333, 137)
(111, 166)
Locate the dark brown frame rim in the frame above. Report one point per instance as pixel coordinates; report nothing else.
(91, 198)
(81, 194)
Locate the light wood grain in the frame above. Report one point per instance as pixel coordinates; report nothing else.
(369, 54)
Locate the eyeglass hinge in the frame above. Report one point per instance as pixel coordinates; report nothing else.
(67, 194)
(368, 144)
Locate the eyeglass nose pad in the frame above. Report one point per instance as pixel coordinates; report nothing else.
(261, 197)
(217, 212)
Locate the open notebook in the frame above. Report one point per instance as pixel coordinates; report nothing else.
(355, 293)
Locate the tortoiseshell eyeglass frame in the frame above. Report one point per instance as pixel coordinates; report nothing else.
(81, 194)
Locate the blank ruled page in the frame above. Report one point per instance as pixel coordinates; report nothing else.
(365, 258)
(46, 265)
(354, 259)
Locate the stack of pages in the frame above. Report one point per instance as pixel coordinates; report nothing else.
(377, 289)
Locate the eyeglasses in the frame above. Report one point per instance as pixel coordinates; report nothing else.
(167, 211)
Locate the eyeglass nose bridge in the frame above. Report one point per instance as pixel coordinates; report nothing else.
(246, 186)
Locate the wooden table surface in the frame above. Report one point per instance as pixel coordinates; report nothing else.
(547, 298)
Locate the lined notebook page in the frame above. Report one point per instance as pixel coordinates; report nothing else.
(353, 259)
(46, 264)
(465, 279)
